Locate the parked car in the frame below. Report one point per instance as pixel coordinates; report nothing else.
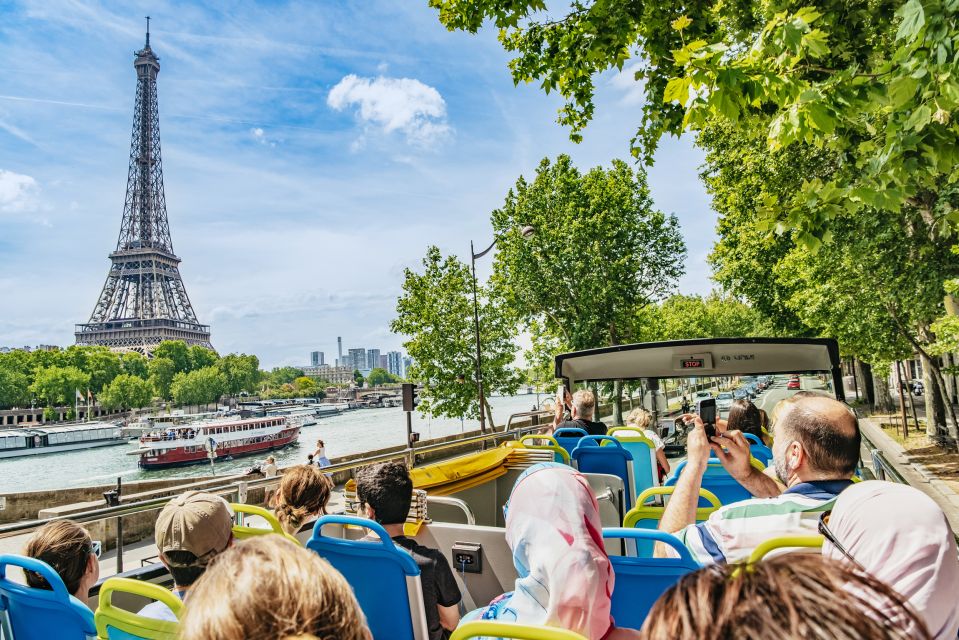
(724, 401)
(793, 383)
(701, 395)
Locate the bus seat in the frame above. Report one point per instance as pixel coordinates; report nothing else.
(559, 453)
(610, 493)
(613, 460)
(759, 450)
(491, 629)
(647, 516)
(785, 542)
(114, 623)
(717, 480)
(640, 581)
(242, 531)
(568, 437)
(384, 577)
(645, 470)
(40, 614)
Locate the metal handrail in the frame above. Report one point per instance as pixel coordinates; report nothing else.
(454, 502)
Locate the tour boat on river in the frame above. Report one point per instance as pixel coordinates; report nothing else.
(191, 443)
(41, 439)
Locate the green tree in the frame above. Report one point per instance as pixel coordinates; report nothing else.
(135, 364)
(284, 375)
(203, 386)
(600, 252)
(14, 388)
(379, 376)
(162, 370)
(126, 392)
(308, 387)
(435, 312)
(242, 372)
(175, 351)
(358, 378)
(201, 357)
(103, 366)
(57, 386)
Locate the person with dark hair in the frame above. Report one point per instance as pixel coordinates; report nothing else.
(385, 492)
(191, 530)
(745, 416)
(815, 453)
(789, 597)
(68, 549)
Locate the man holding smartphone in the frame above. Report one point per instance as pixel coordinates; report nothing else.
(582, 406)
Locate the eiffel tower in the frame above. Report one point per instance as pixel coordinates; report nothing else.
(144, 301)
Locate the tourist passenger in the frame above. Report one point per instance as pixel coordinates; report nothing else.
(269, 469)
(792, 597)
(385, 492)
(565, 577)
(319, 456)
(268, 587)
(901, 536)
(641, 419)
(68, 549)
(302, 497)
(582, 406)
(745, 416)
(815, 453)
(191, 530)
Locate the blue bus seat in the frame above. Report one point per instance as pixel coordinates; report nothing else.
(384, 577)
(645, 469)
(759, 450)
(568, 437)
(114, 623)
(41, 614)
(640, 581)
(613, 460)
(647, 516)
(718, 481)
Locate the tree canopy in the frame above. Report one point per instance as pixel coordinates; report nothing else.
(126, 392)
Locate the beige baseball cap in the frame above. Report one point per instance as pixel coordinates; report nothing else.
(200, 523)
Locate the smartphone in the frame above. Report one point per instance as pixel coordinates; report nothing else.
(561, 395)
(706, 408)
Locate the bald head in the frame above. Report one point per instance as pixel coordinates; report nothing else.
(828, 431)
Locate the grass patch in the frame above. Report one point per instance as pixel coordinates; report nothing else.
(923, 450)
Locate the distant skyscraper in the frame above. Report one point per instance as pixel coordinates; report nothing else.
(356, 358)
(339, 351)
(394, 363)
(316, 358)
(372, 358)
(384, 363)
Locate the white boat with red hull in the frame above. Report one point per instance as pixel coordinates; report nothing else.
(190, 444)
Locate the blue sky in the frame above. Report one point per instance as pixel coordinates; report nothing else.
(311, 152)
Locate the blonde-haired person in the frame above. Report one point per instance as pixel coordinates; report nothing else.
(268, 587)
(300, 499)
(68, 549)
(641, 419)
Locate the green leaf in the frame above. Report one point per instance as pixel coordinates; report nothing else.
(919, 118)
(816, 42)
(681, 23)
(677, 89)
(913, 18)
(821, 118)
(901, 90)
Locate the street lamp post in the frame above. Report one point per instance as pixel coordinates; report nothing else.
(527, 231)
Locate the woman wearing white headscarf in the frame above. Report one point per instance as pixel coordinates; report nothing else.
(900, 536)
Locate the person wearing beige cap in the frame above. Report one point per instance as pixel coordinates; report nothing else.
(190, 531)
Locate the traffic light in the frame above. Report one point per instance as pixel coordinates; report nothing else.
(410, 396)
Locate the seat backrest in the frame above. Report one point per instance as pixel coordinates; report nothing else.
(611, 459)
(491, 629)
(640, 581)
(242, 532)
(647, 516)
(759, 450)
(645, 470)
(41, 614)
(114, 623)
(718, 481)
(559, 453)
(568, 437)
(384, 577)
(785, 542)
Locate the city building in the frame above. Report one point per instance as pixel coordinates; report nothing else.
(333, 375)
(316, 358)
(394, 363)
(372, 359)
(339, 351)
(355, 359)
(384, 363)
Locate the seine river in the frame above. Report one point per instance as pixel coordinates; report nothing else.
(349, 432)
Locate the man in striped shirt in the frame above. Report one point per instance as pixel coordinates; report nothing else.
(815, 452)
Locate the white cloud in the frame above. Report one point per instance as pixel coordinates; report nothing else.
(260, 136)
(633, 90)
(394, 104)
(18, 192)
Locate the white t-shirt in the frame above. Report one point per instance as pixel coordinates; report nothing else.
(269, 470)
(657, 441)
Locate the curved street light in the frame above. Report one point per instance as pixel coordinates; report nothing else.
(527, 231)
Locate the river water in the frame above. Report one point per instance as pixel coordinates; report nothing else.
(349, 432)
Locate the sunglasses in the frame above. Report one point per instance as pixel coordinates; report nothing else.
(96, 548)
(825, 531)
(354, 505)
